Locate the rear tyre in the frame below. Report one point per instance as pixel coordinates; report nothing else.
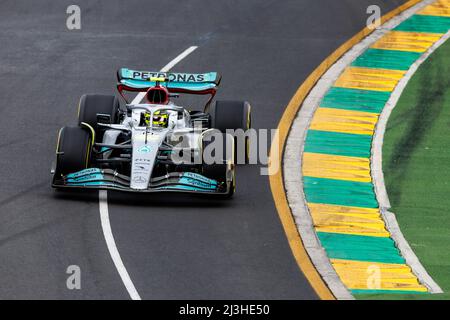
(93, 104)
(233, 115)
(73, 150)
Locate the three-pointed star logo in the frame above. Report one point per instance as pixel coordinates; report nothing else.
(144, 149)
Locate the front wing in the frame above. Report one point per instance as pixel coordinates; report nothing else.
(107, 179)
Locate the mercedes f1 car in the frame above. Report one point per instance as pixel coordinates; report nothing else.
(155, 145)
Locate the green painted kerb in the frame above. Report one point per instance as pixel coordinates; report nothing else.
(361, 194)
(339, 192)
(337, 143)
(422, 23)
(386, 59)
(360, 248)
(354, 99)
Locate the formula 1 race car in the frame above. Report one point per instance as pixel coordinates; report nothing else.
(154, 146)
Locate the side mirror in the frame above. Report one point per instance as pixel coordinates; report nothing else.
(103, 118)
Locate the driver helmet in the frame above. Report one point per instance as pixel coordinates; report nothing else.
(160, 119)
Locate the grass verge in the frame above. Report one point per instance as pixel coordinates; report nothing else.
(416, 166)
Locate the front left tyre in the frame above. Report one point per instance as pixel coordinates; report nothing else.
(222, 168)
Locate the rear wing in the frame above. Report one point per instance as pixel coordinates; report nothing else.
(192, 83)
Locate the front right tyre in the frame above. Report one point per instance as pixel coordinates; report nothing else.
(73, 152)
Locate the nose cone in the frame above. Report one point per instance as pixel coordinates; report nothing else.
(144, 157)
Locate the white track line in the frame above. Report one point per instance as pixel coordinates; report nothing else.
(112, 248)
(103, 203)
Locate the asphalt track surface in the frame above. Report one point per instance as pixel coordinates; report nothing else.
(174, 247)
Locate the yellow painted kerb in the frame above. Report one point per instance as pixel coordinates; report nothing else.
(276, 180)
(344, 121)
(329, 166)
(369, 79)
